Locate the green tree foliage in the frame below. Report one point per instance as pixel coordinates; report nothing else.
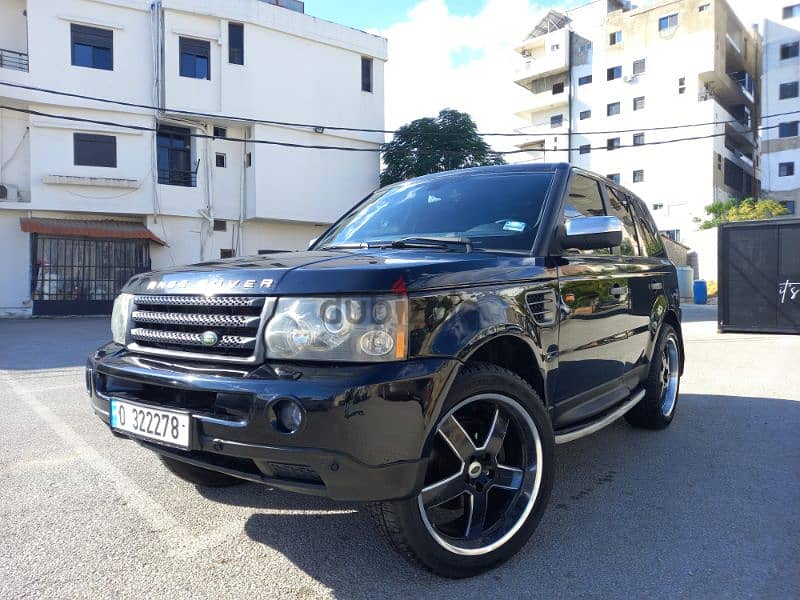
(431, 145)
(742, 210)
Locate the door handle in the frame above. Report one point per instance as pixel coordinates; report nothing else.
(656, 285)
(619, 290)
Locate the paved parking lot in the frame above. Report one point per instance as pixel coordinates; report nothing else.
(708, 508)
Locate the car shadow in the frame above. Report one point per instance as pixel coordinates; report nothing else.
(700, 507)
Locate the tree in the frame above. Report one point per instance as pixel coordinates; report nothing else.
(431, 145)
(742, 210)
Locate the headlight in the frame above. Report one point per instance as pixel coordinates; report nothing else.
(352, 329)
(120, 316)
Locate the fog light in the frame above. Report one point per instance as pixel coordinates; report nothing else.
(288, 416)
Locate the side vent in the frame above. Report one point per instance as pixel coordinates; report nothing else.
(543, 307)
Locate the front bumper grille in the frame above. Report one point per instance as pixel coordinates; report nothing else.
(181, 326)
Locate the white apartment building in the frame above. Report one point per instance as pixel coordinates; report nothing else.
(780, 146)
(84, 205)
(606, 78)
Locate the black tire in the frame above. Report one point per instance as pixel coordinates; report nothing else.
(198, 475)
(657, 409)
(405, 524)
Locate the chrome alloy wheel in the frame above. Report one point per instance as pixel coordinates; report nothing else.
(669, 375)
(484, 475)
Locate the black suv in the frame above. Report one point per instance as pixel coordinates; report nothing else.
(424, 355)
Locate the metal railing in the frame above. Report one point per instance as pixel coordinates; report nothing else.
(10, 59)
(177, 177)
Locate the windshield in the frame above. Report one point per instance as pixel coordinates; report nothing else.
(494, 211)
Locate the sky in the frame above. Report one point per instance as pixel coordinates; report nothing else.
(457, 53)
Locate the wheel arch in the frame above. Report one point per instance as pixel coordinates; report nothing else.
(672, 319)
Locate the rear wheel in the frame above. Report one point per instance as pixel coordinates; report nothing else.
(488, 480)
(198, 475)
(657, 408)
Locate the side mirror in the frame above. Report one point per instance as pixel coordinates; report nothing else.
(592, 233)
(311, 242)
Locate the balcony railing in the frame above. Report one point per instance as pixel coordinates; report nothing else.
(177, 177)
(744, 81)
(10, 59)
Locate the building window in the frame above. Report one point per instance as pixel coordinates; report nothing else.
(612, 109)
(786, 169)
(585, 149)
(227, 253)
(554, 47)
(366, 74)
(719, 161)
(613, 73)
(613, 177)
(703, 7)
(556, 121)
(638, 176)
(673, 234)
(612, 143)
(788, 129)
(586, 114)
(788, 90)
(789, 204)
(220, 225)
(174, 146)
(584, 80)
(222, 160)
(558, 88)
(668, 22)
(236, 43)
(682, 85)
(220, 132)
(639, 66)
(195, 58)
(790, 50)
(790, 11)
(638, 139)
(658, 206)
(91, 150)
(248, 160)
(638, 103)
(92, 47)
(615, 38)
(733, 176)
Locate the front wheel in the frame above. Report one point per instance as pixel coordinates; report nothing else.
(488, 480)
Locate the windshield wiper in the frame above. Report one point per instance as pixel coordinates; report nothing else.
(351, 246)
(432, 242)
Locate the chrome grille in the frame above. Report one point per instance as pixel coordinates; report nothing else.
(175, 325)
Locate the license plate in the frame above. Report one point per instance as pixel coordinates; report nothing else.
(165, 426)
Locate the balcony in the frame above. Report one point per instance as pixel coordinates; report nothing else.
(546, 101)
(10, 59)
(542, 56)
(739, 125)
(730, 88)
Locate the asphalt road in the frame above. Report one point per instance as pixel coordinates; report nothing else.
(709, 508)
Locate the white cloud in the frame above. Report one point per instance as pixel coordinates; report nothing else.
(439, 60)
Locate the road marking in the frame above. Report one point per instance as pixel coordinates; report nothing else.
(179, 541)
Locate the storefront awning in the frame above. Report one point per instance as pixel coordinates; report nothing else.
(120, 230)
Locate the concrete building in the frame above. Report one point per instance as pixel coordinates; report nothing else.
(84, 205)
(780, 147)
(605, 77)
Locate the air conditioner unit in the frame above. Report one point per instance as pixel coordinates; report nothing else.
(9, 193)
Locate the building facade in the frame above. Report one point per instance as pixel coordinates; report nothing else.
(197, 175)
(780, 144)
(610, 84)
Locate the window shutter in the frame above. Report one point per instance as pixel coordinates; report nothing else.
(196, 47)
(92, 36)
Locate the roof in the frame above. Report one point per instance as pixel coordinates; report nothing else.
(552, 21)
(124, 230)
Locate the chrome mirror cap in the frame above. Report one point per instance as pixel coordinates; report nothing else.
(592, 226)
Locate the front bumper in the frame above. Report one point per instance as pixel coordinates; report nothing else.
(363, 435)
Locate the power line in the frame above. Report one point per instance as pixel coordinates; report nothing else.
(358, 129)
(348, 148)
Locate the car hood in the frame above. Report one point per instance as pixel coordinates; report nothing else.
(339, 272)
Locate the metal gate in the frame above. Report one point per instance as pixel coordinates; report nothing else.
(759, 276)
(78, 276)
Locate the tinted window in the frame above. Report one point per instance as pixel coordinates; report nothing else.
(584, 200)
(95, 150)
(92, 47)
(787, 129)
(195, 58)
(613, 73)
(648, 232)
(618, 207)
(236, 43)
(498, 211)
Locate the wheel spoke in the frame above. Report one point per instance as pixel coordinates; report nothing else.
(476, 517)
(508, 478)
(444, 490)
(458, 439)
(497, 434)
